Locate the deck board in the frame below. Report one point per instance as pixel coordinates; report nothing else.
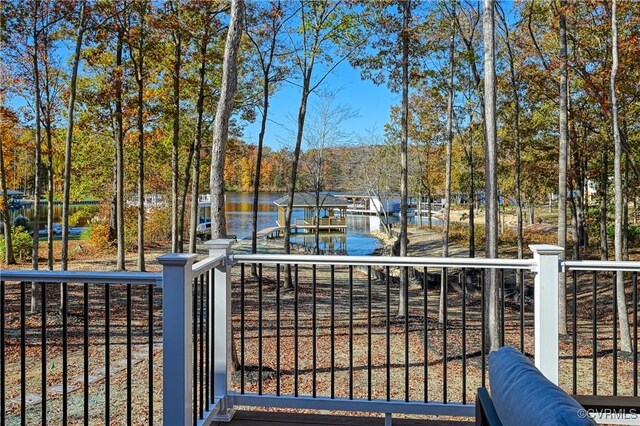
(258, 418)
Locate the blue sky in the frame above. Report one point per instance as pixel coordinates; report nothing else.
(371, 102)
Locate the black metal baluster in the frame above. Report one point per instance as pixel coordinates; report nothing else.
(3, 394)
(388, 332)
(295, 331)
(615, 334)
(313, 331)
(464, 336)
(594, 330)
(575, 331)
(107, 354)
(482, 328)
(242, 309)
(150, 349)
(278, 329)
(333, 333)
(635, 333)
(369, 384)
(425, 341)
(202, 353)
(260, 324)
(43, 353)
(212, 286)
(23, 355)
(194, 348)
(405, 272)
(207, 330)
(445, 289)
(65, 353)
(350, 333)
(502, 308)
(85, 353)
(521, 273)
(129, 384)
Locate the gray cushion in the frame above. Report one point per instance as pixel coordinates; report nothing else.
(523, 396)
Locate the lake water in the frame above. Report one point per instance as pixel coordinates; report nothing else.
(357, 240)
(27, 211)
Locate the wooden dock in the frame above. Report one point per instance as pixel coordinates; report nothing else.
(268, 232)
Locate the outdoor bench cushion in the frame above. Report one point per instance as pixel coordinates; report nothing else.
(522, 395)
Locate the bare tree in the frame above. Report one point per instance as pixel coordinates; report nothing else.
(324, 132)
(625, 337)
(491, 185)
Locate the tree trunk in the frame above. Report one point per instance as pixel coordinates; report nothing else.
(447, 185)
(69, 139)
(195, 178)
(47, 119)
(302, 113)
(491, 188)
(221, 123)
(139, 69)
(625, 337)
(256, 178)
(176, 236)
(38, 160)
(6, 219)
(119, 133)
(49, 169)
(516, 141)
(602, 190)
(404, 285)
(562, 167)
(317, 230)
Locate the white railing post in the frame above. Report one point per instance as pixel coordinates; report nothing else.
(221, 336)
(545, 295)
(177, 314)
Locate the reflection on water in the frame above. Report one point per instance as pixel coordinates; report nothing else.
(27, 211)
(357, 240)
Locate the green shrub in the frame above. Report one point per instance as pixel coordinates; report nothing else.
(22, 244)
(83, 215)
(633, 233)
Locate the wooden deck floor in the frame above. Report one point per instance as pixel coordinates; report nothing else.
(261, 418)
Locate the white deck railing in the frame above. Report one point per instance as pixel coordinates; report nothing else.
(179, 273)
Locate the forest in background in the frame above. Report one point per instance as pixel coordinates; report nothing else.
(111, 99)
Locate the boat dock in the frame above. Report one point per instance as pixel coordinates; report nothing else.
(271, 232)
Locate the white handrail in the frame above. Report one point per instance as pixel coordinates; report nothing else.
(600, 265)
(453, 262)
(206, 265)
(82, 277)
